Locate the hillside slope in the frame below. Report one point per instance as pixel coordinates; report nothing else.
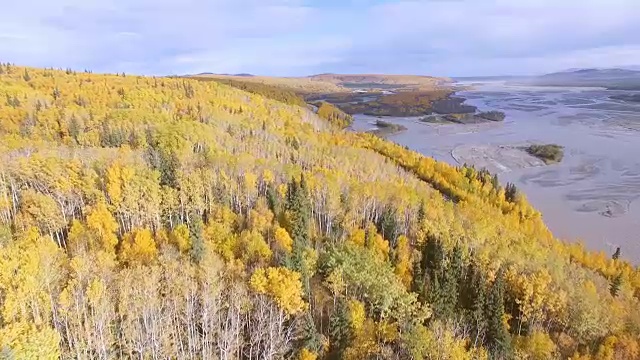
(621, 79)
(301, 85)
(171, 218)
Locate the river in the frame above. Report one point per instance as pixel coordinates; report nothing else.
(592, 195)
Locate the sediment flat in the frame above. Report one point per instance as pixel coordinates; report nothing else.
(495, 158)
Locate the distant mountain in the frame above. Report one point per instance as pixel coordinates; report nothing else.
(593, 73)
(381, 80)
(241, 74)
(488, 78)
(610, 78)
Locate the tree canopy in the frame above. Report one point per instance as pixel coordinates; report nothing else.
(146, 217)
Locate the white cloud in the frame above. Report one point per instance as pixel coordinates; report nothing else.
(297, 36)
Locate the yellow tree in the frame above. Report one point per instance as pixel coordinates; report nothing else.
(138, 247)
(282, 285)
(104, 227)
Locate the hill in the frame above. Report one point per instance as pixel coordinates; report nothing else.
(377, 81)
(299, 85)
(622, 79)
(171, 218)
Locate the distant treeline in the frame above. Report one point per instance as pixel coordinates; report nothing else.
(453, 105)
(408, 103)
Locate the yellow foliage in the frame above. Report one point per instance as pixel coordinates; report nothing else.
(283, 241)
(27, 341)
(536, 346)
(306, 354)
(255, 248)
(619, 347)
(370, 339)
(282, 285)
(102, 224)
(357, 314)
(403, 264)
(357, 237)
(179, 237)
(146, 152)
(138, 247)
(260, 217)
(223, 240)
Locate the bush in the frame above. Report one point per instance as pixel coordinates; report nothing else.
(493, 115)
(549, 153)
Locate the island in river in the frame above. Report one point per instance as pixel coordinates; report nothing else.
(591, 195)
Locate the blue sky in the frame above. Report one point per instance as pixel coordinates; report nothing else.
(298, 37)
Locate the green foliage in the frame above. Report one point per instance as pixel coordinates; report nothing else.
(310, 338)
(498, 339)
(340, 333)
(474, 302)
(615, 285)
(371, 280)
(616, 254)
(511, 192)
(298, 215)
(197, 250)
(387, 225)
(404, 103)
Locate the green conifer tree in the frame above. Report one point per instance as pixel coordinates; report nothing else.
(498, 338)
(339, 331)
(473, 299)
(387, 225)
(616, 254)
(197, 239)
(614, 288)
(298, 211)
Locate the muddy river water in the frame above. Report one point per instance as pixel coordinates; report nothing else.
(592, 196)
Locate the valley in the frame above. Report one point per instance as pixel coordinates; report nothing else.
(252, 211)
(590, 195)
(504, 125)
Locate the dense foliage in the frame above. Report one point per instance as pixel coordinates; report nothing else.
(333, 114)
(171, 218)
(278, 93)
(301, 85)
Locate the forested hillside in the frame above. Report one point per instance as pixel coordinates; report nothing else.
(157, 218)
(301, 85)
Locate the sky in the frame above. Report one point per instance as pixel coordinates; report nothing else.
(303, 37)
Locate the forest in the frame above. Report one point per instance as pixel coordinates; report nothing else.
(403, 103)
(163, 218)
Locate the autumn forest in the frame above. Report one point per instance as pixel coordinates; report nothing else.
(175, 218)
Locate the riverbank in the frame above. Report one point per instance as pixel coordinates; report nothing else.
(590, 196)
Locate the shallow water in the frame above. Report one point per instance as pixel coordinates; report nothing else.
(593, 195)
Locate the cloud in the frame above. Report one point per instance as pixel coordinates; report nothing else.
(295, 37)
(481, 35)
